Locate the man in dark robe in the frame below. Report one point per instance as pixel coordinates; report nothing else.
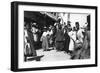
(59, 40)
(67, 40)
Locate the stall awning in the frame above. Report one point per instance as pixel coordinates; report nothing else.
(42, 19)
(50, 15)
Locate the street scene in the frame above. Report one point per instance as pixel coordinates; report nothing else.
(56, 36)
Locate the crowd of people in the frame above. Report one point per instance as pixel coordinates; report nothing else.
(74, 41)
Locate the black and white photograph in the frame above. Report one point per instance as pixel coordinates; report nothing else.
(56, 36)
(53, 36)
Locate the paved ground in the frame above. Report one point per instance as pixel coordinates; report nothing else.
(53, 55)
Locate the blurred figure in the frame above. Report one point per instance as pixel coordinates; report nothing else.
(79, 33)
(59, 38)
(82, 44)
(67, 39)
(72, 35)
(29, 41)
(50, 38)
(44, 40)
(85, 53)
(34, 31)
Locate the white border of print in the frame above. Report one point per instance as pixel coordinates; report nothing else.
(22, 64)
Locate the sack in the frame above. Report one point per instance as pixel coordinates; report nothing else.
(27, 51)
(78, 46)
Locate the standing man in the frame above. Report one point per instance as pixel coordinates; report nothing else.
(30, 39)
(67, 40)
(59, 40)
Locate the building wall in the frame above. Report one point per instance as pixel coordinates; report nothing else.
(81, 18)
